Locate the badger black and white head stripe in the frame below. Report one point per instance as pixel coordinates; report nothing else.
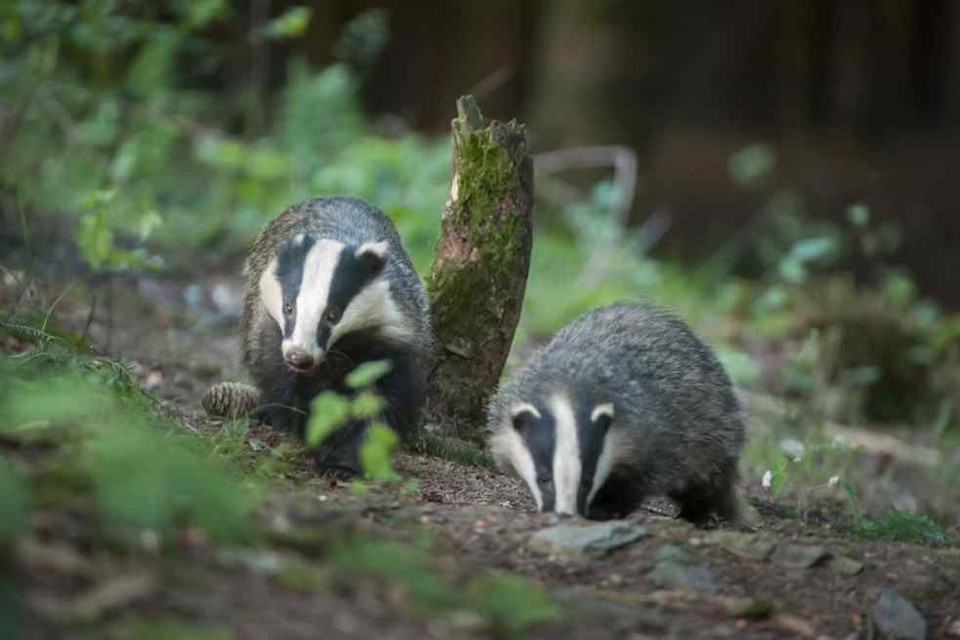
(317, 290)
(564, 450)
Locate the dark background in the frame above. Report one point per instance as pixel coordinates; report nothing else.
(860, 101)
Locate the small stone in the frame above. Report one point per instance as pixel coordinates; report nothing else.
(845, 566)
(800, 556)
(592, 540)
(678, 569)
(894, 618)
(746, 545)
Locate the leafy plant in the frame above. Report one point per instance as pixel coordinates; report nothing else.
(141, 472)
(330, 411)
(894, 525)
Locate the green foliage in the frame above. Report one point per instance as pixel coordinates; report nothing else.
(363, 38)
(330, 411)
(751, 165)
(292, 24)
(511, 602)
(506, 604)
(895, 525)
(100, 127)
(367, 373)
(376, 451)
(14, 503)
(140, 472)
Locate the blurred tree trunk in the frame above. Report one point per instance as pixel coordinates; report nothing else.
(594, 59)
(479, 274)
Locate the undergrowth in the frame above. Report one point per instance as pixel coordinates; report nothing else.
(894, 525)
(503, 604)
(96, 436)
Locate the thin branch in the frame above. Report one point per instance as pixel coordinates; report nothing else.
(491, 83)
(46, 318)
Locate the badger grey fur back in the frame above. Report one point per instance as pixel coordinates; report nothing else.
(676, 423)
(402, 336)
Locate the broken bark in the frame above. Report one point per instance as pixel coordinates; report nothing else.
(479, 274)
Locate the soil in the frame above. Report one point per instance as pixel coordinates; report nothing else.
(181, 337)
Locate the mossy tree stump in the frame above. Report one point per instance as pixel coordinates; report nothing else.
(479, 274)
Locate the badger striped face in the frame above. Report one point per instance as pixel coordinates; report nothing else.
(317, 290)
(564, 450)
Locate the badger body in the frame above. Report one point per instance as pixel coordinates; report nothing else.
(625, 402)
(329, 286)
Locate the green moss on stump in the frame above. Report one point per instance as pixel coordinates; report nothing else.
(478, 278)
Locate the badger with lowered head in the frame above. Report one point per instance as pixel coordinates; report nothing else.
(624, 403)
(329, 286)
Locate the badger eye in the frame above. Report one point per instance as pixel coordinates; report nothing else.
(332, 315)
(543, 480)
(288, 309)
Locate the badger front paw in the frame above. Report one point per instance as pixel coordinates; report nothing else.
(339, 454)
(339, 463)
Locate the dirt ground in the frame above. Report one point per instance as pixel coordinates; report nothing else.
(180, 338)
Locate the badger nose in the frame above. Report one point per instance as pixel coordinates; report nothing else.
(299, 359)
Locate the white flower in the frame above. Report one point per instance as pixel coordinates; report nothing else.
(767, 479)
(834, 481)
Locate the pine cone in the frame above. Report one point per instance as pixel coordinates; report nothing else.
(230, 400)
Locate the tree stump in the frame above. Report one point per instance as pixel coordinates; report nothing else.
(479, 274)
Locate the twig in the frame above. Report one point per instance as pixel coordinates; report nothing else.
(93, 311)
(46, 318)
(491, 83)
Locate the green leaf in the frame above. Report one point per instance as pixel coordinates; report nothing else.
(376, 451)
(152, 69)
(859, 215)
(792, 270)
(95, 240)
(811, 249)
(292, 24)
(201, 12)
(368, 373)
(779, 473)
(328, 412)
(148, 481)
(752, 163)
(367, 405)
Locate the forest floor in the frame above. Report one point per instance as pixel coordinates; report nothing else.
(796, 574)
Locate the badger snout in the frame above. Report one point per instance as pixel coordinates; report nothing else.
(299, 359)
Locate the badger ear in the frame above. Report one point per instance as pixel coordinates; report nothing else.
(602, 415)
(373, 256)
(522, 415)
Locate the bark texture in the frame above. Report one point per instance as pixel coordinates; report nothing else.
(479, 274)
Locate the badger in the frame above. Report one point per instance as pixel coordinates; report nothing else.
(624, 403)
(329, 286)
